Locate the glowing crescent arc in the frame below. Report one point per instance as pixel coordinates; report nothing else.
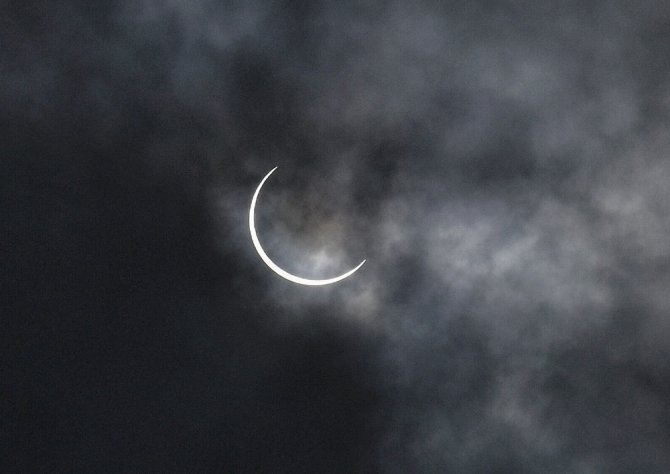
(273, 266)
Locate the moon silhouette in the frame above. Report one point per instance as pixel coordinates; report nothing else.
(273, 266)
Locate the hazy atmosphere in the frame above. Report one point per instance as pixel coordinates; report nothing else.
(503, 166)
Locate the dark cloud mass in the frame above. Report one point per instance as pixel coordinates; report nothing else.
(502, 165)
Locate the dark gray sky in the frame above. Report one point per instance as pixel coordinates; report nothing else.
(502, 165)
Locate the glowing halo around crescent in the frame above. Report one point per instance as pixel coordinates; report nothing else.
(273, 266)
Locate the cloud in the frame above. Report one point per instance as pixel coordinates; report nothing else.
(501, 165)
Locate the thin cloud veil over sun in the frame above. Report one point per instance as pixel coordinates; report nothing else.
(273, 266)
